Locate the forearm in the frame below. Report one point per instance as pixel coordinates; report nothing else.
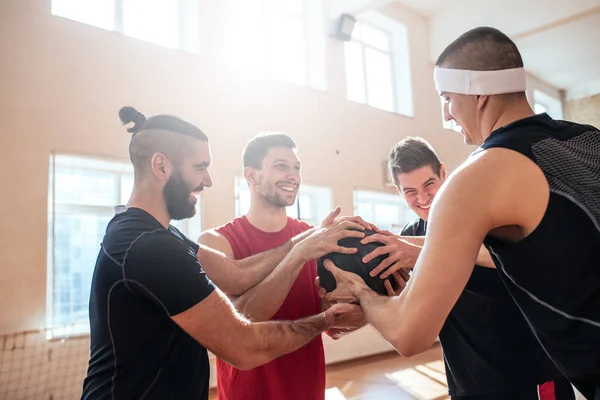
(398, 326)
(416, 240)
(262, 301)
(269, 340)
(235, 277)
(380, 311)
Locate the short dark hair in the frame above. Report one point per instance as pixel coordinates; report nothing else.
(412, 153)
(256, 149)
(481, 49)
(167, 134)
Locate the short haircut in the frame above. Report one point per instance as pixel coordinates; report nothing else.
(481, 49)
(166, 134)
(256, 149)
(412, 153)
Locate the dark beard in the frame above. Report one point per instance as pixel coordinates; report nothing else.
(177, 195)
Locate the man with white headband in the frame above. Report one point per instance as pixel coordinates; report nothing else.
(530, 193)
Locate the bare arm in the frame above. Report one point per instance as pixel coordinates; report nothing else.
(483, 257)
(449, 255)
(403, 256)
(215, 324)
(235, 277)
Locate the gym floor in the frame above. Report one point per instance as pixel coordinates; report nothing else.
(386, 377)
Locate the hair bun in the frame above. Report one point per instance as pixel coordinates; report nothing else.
(130, 114)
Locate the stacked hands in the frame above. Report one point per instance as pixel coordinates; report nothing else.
(342, 303)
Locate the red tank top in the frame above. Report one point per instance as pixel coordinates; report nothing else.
(296, 376)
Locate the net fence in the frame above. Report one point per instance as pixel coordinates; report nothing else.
(32, 367)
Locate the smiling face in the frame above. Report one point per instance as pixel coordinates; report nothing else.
(419, 188)
(278, 180)
(188, 179)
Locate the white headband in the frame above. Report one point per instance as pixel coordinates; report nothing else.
(480, 82)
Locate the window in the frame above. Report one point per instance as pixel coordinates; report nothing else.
(83, 193)
(387, 211)
(312, 205)
(377, 65)
(286, 40)
(369, 76)
(449, 124)
(169, 23)
(283, 38)
(544, 103)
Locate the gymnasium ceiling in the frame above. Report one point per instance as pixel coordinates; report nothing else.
(559, 39)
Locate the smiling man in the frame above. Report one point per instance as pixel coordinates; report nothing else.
(530, 192)
(272, 170)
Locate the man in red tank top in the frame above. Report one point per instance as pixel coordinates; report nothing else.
(272, 170)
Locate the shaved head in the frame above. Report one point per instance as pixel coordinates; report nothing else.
(481, 49)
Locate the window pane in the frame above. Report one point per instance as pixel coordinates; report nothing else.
(155, 21)
(365, 210)
(83, 186)
(77, 238)
(287, 47)
(243, 200)
(356, 32)
(355, 78)
(99, 13)
(379, 79)
(540, 108)
(305, 204)
(126, 188)
(291, 6)
(375, 37)
(386, 214)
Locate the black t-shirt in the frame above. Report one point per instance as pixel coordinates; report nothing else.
(554, 273)
(144, 275)
(488, 347)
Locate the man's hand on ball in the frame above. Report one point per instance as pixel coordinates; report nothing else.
(348, 285)
(401, 254)
(401, 276)
(334, 217)
(324, 240)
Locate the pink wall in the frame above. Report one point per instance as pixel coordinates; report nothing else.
(62, 83)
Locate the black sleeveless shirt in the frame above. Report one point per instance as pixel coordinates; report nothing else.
(554, 273)
(488, 347)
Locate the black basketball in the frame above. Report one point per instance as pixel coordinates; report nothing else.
(353, 263)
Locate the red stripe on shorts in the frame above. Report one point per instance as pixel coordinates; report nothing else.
(546, 391)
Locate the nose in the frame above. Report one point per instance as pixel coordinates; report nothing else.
(447, 115)
(207, 181)
(293, 177)
(423, 198)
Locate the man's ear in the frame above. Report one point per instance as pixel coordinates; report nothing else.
(161, 166)
(251, 176)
